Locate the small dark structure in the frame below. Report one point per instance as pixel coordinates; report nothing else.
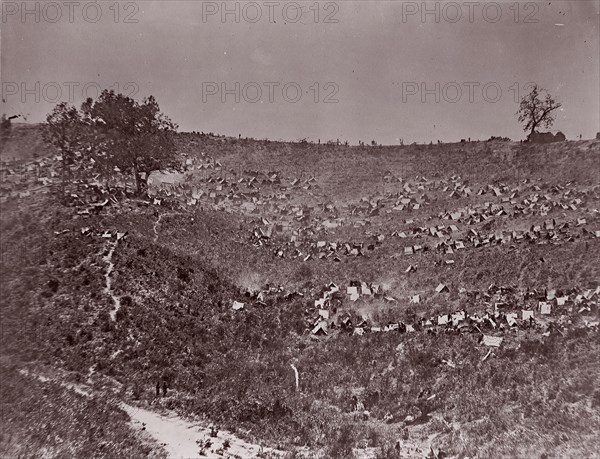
(560, 137)
(546, 137)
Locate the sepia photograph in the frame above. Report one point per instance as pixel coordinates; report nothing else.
(311, 229)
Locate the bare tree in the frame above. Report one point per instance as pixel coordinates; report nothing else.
(536, 109)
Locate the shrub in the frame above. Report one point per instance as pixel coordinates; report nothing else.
(342, 444)
(388, 451)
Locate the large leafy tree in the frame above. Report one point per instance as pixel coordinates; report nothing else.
(97, 144)
(136, 137)
(63, 131)
(537, 109)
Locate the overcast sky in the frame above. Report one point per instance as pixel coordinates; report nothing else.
(366, 69)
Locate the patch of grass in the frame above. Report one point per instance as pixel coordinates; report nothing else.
(43, 418)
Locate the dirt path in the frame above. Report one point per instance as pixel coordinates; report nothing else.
(181, 439)
(159, 219)
(156, 223)
(108, 281)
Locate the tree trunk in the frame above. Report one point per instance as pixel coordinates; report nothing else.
(533, 126)
(138, 185)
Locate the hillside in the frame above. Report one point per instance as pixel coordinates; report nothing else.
(25, 142)
(432, 298)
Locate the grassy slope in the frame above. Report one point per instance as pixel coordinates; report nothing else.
(24, 143)
(45, 419)
(176, 322)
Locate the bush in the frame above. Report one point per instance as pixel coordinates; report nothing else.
(44, 416)
(388, 451)
(342, 444)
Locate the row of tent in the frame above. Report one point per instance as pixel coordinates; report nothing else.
(299, 219)
(498, 301)
(584, 304)
(549, 232)
(304, 222)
